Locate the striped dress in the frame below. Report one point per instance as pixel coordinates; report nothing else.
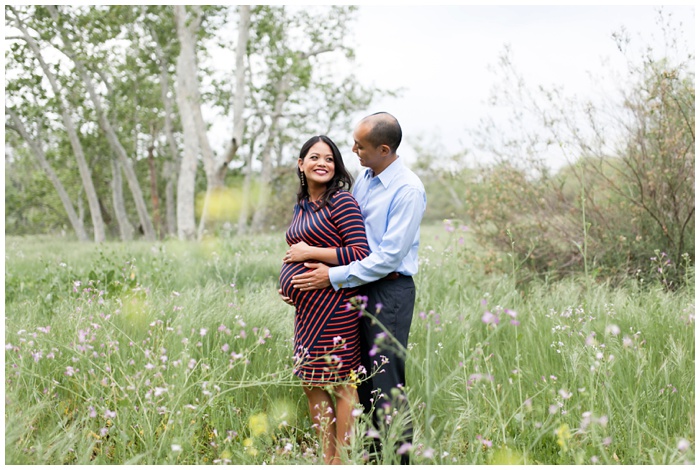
(326, 332)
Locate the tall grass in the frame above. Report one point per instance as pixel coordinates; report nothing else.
(157, 353)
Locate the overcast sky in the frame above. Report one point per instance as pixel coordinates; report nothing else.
(440, 55)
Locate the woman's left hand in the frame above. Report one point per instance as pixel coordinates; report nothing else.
(297, 253)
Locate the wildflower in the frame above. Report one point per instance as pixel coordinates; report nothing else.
(225, 347)
(372, 433)
(374, 350)
(428, 453)
(612, 329)
(607, 441)
(563, 436)
(553, 409)
(160, 390)
(258, 424)
(202, 331)
(70, 371)
(336, 340)
(378, 307)
(176, 448)
(110, 414)
(489, 318)
(405, 447)
(603, 420)
(683, 445)
(149, 366)
(627, 342)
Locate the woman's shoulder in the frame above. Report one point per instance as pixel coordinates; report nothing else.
(342, 201)
(342, 195)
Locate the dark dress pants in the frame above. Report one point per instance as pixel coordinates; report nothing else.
(395, 299)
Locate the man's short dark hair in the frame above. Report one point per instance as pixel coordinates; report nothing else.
(385, 130)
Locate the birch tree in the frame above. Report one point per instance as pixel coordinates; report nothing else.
(106, 125)
(36, 149)
(69, 124)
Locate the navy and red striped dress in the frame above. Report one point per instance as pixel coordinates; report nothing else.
(326, 332)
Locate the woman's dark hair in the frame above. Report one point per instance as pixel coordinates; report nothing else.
(341, 177)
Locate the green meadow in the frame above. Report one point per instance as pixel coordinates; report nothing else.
(180, 353)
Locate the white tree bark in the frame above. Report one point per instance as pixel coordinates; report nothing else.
(126, 230)
(266, 156)
(186, 67)
(170, 166)
(83, 168)
(214, 168)
(38, 152)
(245, 196)
(240, 94)
(112, 138)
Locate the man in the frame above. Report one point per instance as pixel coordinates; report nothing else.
(392, 200)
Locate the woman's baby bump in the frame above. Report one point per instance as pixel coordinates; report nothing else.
(288, 271)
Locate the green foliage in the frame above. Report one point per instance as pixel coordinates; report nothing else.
(188, 361)
(628, 192)
(125, 47)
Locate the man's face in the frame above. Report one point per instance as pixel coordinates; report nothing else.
(370, 156)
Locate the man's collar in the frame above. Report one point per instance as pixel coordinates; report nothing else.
(389, 172)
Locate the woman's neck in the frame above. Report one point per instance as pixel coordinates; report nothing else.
(315, 192)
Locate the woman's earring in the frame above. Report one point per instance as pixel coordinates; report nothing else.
(302, 178)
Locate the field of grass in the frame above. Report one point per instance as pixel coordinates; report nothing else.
(180, 353)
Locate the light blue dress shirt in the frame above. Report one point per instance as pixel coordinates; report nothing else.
(392, 204)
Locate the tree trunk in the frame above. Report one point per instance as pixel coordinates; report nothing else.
(154, 188)
(112, 137)
(170, 165)
(170, 176)
(126, 230)
(186, 228)
(239, 96)
(245, 197)
(216, 168)
(83, 168)
(81, 207)
(266, 156)
(75, 221)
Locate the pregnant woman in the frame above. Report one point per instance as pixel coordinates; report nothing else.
(328, 227)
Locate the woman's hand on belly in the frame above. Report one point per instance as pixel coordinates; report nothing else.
(285, 299)
(297, 253)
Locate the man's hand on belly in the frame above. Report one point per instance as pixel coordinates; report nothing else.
(315, 278)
